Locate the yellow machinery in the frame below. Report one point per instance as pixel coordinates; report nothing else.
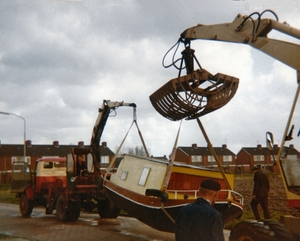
(198, 93)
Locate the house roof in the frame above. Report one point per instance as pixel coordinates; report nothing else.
(44, 150)
(204, 151)
(259, 150)
(252, 151)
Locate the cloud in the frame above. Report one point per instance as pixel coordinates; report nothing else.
(60, 59)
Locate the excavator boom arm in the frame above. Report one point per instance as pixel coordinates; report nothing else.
(254, 33)
(99, 126)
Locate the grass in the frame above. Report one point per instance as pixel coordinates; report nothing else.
(6, 196)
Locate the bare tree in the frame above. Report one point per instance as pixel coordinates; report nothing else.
(138, 150)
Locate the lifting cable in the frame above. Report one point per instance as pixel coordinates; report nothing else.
(139, 131)
(134, 121)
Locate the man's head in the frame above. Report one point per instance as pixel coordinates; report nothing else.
(79, 158)
(209, 189)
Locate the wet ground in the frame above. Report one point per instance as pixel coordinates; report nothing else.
(89, 227)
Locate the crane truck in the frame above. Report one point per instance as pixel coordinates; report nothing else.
(253, 32)
(55, 185)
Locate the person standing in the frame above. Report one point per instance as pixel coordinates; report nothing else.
(200, 220)
(260, 193)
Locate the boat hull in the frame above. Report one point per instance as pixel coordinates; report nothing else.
(157, 214)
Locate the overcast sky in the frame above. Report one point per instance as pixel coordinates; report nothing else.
(60, 59)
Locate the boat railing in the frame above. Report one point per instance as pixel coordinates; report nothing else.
(232, 195)
(185, 193)
(224, 194)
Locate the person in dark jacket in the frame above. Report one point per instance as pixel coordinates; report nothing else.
(200, 220)
(260, 193)
(80, 166)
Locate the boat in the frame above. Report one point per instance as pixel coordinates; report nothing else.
(152, 190)
(139, 188)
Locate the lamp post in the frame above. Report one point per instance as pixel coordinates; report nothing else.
(7, 113)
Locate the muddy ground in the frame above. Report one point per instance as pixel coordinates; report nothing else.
(277, 197)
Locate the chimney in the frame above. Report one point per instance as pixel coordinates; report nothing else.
(224, 146)
(55, 143)
(28, 142)
(81, 143)
(259, 146)
(194, 145)
(104, 144)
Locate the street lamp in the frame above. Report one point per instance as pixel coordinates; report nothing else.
(7, 113)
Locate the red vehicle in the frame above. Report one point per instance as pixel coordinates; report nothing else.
(54, 183)
(40, 187)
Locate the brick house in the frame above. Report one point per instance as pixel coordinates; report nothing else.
(248, 157)
(201, 156)
(10, 153)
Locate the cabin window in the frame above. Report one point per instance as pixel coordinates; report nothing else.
(48, 165)
(70, 162)
(59, 164)
(89, 162)
(124, 175)
(144, 176)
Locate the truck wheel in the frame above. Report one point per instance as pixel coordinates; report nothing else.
(281, 232)
(74, 210)
(62, 210)
(106, 209)
(67, 213)
(252, 230)
(25, 206)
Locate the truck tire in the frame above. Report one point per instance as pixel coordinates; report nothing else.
(74, 208)
(67, 213)
(106, 209)
(281, 232)
(252, 230)
(62, 210)
(25, 206)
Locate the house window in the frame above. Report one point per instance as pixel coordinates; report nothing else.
(259, 158)
(104, 159)
(196, 158)
(227, 158)
(20, 159)
(124, 175)
(211, 159)
(144, 176)
(291, 157)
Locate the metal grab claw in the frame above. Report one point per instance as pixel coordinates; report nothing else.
(194, 95)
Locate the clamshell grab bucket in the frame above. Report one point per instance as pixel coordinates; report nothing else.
(194, 95)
